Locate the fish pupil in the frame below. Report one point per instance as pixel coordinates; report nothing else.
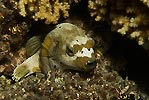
(69, 52)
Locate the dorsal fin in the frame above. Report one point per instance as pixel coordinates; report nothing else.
(33, 45)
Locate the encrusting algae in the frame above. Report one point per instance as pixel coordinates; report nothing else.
(65, 47)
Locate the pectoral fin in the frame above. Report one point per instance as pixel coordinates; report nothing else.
(47, 64)
(28, 67)
(33, 45)
(44, 64)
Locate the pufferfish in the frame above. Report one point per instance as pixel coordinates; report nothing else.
(66, 47)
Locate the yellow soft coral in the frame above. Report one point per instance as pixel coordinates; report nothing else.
(129, 19)
(50, 11)
(97, 9)
(145, 2)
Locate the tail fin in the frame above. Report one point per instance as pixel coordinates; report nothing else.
(33, 45)
(28, 67)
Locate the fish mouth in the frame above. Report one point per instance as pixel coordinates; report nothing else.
(69, 67)
(91, 65)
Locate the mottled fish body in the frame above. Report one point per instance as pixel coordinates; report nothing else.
(67, 46)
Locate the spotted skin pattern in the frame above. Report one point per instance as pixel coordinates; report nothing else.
(66, 47)
(70, 47)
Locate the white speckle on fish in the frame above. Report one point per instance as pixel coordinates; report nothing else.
(79, 40)
(85, 52)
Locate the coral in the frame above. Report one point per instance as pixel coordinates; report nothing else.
(101, 84)
(97, 9)
(12, 31)
(132, 21)
(129, 19)
(11, 39)
(4, 49)
(50, 11)
(146, 2)
(4, 82)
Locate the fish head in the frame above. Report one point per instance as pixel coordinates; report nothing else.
(79, 54)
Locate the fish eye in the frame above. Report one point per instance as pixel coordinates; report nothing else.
(69, 51)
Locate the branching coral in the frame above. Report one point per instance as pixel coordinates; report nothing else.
(45, 9)
(129, 19)
(97, 9)
(146, 2)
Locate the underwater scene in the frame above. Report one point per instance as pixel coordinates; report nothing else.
(74, 49)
